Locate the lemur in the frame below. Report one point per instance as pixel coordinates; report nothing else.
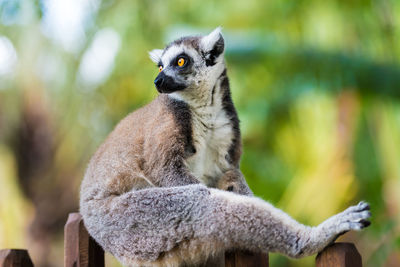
(165, 188)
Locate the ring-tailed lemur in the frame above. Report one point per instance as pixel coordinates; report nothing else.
(155, 192)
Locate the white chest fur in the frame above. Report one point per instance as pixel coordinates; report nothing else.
(212, 138)
(212, 131)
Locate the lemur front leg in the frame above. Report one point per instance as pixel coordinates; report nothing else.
(234, 181)
(170, 170)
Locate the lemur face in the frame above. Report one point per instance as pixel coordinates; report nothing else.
(189, 65)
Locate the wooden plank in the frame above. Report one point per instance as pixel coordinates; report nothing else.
(15, 258)
(246, 259)
(339, 255)
(80, 250)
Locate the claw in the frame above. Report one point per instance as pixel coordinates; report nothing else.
(365, 223)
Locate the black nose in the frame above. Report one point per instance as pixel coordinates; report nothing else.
(159, 81)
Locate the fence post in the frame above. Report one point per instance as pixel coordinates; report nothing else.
(80, 249)
(339, 255)
(15, 258)
(246, 259)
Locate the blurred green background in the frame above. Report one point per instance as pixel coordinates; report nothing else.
(316, 85)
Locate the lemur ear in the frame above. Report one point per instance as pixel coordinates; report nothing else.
(155, 55)
(213, 46)
(213, 39)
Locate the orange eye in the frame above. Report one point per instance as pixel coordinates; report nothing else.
(160, 68)
(181, 62)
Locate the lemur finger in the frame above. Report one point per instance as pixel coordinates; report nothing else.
(352, 225)
(363, 206)
(356, 225)
(357, 216)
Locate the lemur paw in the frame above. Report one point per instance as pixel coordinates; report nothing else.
(353, 218)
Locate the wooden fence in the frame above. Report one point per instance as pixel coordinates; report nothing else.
(80, 250)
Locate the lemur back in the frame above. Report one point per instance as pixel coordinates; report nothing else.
(155, 192)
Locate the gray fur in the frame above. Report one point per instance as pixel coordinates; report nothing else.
(154, 192)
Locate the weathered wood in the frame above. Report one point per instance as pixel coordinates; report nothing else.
(15, 258)
(246, 259)
(339, 255)
(80, 250)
